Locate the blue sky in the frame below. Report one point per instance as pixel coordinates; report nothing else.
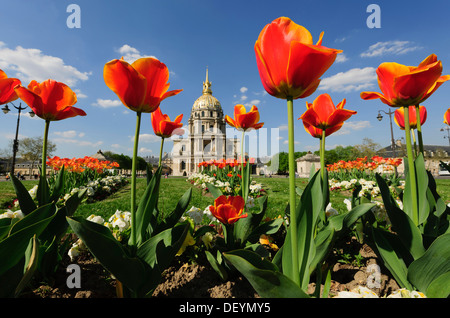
(189, 36)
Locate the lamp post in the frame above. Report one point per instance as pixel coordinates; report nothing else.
(16, 139)
(448, 134)
(380, 117)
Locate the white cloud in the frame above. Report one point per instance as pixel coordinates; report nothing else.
(107, 103)
(255, 102)
(32, 64)
(144, 150)
(131, 54)
(341, 58)
(243, 89)
(147, 138)
(69, 134)
(77, 142)
(352, 125)
(354, 79)
(295, 142)
(283, 127)
(390, 47)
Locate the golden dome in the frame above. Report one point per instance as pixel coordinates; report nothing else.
(206, 101)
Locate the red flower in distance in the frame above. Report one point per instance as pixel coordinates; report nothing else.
(228, 210)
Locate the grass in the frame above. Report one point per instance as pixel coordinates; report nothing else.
(172, 190)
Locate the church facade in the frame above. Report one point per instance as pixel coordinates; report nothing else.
(206, 139)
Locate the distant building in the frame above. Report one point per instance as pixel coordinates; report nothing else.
(206, 139)
(433, 155)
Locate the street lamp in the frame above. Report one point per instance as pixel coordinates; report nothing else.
(380, 117)
(448, 134)
(16, 139)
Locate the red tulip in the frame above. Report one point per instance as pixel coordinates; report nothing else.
(7, 93)
(243, 120)
(399, 117)
(50, 100)
(447, 117)
(322, 114)
(289, 64)
(407, 85)
(140, 86)
(162, 126)
(228, 210)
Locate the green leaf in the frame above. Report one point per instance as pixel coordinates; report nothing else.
(263, 276)
(214, 190)
(161, 248)
(58, 186)
(439, 287)
(391, 260)
(308, 211)
(131, 271)
(43, 190)
(14, 246)
(244, 227)
(402, 224)
(26, 203)
(37, 215)
(145, 219)
(31, 262)
(176, 214)
(434, 263)
(217, 267)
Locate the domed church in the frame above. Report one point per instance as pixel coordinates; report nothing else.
(206, 138)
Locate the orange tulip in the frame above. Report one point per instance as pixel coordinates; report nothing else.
(7, 93)
(50, 100)
(228, 210)
(140, 86)
(447, 117)
(243, 120)
(317, 132)
(289, 64)
(163, 127)
(408, 85)
(399, 117)
(322, 114)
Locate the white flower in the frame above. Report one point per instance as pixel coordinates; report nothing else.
(120, 219)
(330, 211)
(250, 203)
(12, 215)
(358, 292)
(196, 215)
(95, 218)
(76, 248)
(348, 203)
(208, 213)
(404, 293)
(90, 191)
(33, 191)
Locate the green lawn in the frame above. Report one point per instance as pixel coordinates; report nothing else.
(173, 188)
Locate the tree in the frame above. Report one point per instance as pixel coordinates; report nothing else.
(31, 149)
(368, 148)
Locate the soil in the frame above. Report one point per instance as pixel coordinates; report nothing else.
(198, 280)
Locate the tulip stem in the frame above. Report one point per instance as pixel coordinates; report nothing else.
(44, 149)
(133, 181)
(242, 167)
(160, 151)
(411, 168)
(322, 154)
(292, 204)
(419, 129)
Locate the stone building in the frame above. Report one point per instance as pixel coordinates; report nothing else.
(206, 138)
(305, 163)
